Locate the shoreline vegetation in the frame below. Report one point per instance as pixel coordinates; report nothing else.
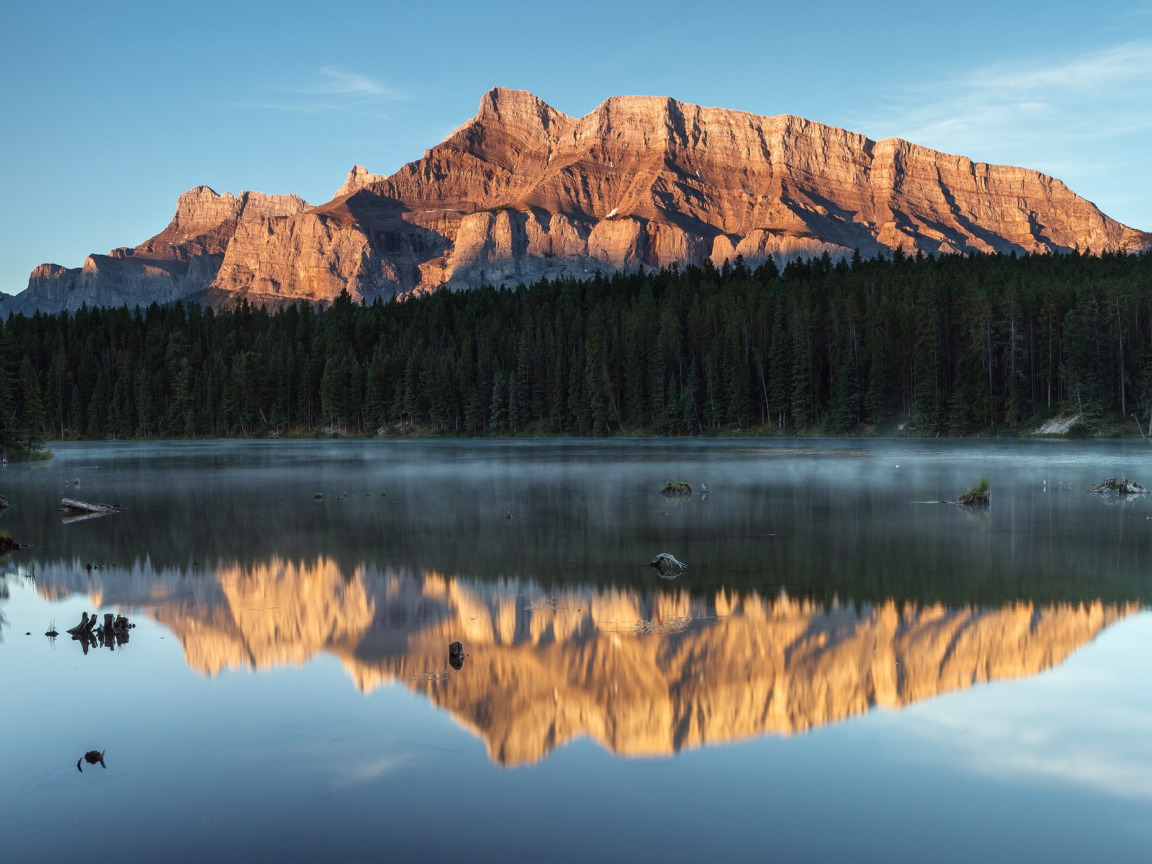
(899, 346)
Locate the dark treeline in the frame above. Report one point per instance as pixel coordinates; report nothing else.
(931, 345)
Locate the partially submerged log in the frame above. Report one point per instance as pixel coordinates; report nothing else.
(77, 511)
(1112, 486)
(85, 507)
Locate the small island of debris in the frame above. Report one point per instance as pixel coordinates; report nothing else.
(1112, 486)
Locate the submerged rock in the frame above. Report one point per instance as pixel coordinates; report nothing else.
(667, 566)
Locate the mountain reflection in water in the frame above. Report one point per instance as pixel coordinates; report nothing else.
(643, 671)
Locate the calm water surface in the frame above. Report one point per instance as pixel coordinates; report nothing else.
(848, 670)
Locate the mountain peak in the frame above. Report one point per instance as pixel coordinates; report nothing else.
(522, 191)
(503, 103)
(358, 178)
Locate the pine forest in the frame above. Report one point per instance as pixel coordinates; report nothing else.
(983, 345)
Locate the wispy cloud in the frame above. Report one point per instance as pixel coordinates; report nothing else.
(1021, 743)
(1084, 118)
(337, 82)
(1081, 725)
(1069, 100)
(359, 774)
(330, 90)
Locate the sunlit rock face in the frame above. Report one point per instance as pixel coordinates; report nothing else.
(522, 192)
(179, 262)
(644, 672)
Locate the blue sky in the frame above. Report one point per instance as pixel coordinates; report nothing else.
(109, 111)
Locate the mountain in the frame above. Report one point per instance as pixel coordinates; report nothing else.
(645, 673)
(177, 263)
(522, 191)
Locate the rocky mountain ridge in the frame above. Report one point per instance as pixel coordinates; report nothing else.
(522, 191)
(644, 673)
(179, 262)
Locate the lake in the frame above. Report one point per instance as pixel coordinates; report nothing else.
(848, 669)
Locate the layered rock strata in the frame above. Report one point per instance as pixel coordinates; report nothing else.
(178, 263)
(522, 191)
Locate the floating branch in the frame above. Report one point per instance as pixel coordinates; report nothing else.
(667, 625)
(552, 603)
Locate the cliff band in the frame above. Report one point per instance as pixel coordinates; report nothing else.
(522, 191)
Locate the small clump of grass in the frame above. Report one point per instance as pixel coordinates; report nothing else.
(676, 487)
(976, 495)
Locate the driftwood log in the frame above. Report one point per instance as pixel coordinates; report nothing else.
(85, 507)
(76, 511)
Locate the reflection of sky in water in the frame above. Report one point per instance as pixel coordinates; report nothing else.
(1051, 728)
(295, 762)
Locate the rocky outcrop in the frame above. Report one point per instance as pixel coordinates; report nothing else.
(178, 263)
(360, 242)
(522, 191)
